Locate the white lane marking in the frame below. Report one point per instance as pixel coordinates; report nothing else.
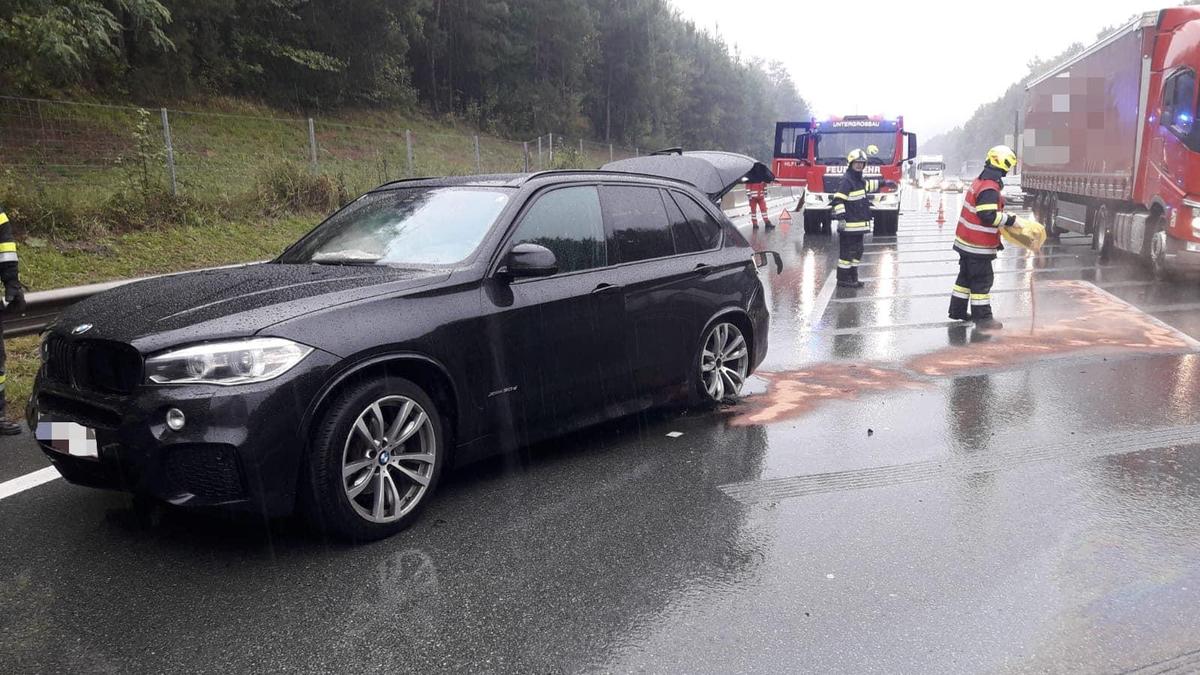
(30, 480)
(1022, 289)
(997, 273)
(920, 261)
(822, 301)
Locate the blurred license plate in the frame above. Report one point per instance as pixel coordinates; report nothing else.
(68, 438)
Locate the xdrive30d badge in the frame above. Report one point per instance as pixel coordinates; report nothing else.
(428, 323)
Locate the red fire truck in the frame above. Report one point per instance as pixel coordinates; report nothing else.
(1111, 147)
(813, 155)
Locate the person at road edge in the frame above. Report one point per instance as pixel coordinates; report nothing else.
(756, 192)
(13, 303)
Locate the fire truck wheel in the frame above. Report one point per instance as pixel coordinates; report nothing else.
(827, 224)
(811, 223)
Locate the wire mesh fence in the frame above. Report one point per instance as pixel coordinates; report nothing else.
(90, 150)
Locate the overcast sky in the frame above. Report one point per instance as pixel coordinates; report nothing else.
(952, 56)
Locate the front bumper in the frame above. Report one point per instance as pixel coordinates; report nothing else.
(1182, 256)
(240, 448)
(886, 202)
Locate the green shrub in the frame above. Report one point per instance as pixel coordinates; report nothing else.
(36, 212)
(288, 187)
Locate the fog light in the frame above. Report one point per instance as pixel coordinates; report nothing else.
(175, 419)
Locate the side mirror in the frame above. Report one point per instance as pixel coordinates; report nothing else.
(912, 144)
(527, 260)
(802, 147)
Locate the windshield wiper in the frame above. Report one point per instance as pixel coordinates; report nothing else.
(349, 262)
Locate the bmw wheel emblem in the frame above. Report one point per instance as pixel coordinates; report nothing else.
(81, 329)
(384, 458)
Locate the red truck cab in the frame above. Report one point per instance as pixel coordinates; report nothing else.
(812, 155)
(1111, 146)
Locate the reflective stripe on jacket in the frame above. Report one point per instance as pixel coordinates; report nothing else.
(852, 203)
(973, 235)
(8, 249)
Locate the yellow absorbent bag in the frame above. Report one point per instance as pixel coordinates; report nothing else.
(1027, 234)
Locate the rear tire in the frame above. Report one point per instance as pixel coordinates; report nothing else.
(886, 224)
(1102, 232)
(721, 365)
(358, 484)
(1052, 230)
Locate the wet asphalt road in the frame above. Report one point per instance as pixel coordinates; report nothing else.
(897, 493)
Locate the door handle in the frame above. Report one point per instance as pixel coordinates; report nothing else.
(703, 269)
(606, 289)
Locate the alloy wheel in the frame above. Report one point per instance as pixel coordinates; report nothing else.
(388, 459)
(724, 362)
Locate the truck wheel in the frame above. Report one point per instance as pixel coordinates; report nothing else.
(1039, 207)
(1158, 255)
(1102, 233)
(1052, 230)
(827, 223)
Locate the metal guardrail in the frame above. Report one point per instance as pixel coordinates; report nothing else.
(42, 307)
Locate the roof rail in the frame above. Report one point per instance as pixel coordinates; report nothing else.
(592, 172)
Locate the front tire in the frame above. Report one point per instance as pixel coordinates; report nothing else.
(723, 364)
(1158, 255)
(375, 459)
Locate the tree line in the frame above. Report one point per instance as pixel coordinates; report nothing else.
(624, 71)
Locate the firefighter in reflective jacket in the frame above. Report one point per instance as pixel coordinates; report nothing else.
(14, 303)
(977, 240)
(757, 194)
(852, 210)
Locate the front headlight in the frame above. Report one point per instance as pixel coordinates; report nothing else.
(226, 363)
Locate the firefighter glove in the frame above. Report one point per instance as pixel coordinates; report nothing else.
(14, 297)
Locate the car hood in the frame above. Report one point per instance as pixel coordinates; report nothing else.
(713, 172)
(230, 302)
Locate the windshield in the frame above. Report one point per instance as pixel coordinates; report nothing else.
(932, 166)
(415, 226)
(831, 149)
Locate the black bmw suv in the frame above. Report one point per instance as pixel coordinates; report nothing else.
(428, 323)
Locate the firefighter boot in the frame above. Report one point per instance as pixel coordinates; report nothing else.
(767, 222)
(845, 278)
(987, 323)
(854, 274)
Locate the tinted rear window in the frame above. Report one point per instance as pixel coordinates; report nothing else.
(704, 227)
(682, 232)
(638, 222)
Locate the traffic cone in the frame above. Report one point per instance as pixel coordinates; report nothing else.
(941, 219)
(928, 204)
